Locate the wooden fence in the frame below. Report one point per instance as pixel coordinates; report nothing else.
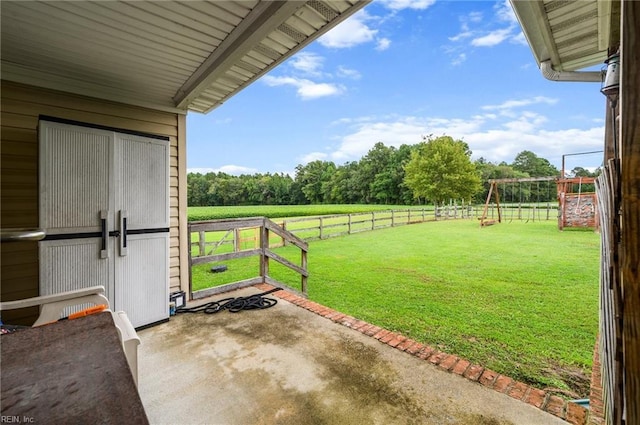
(323, 227)
(610, 332)
(327, 226)
(224, 240)
(201, 251)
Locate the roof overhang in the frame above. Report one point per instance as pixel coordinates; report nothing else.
(572, 35)
(166, 55)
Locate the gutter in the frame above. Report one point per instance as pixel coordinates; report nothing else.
(579, 76)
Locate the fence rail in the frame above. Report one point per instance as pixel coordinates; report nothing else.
(201, 251)
(323, 227)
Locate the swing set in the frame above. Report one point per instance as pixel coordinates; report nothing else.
(530, 198)
(525, 197)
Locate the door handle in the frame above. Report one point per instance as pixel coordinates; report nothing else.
(104, 248)
(123, 233)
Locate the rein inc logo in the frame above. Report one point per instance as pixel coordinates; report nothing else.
(17, 419)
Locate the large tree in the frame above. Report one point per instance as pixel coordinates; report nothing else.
(535, 166)
(314, 179)
(440, 169)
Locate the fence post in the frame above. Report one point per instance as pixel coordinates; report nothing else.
(373, 220)
(201, 243)
(349, 225)
(534, 213)
(190, 256)
(548, 208)
(408, 215)
(303, 264)
(264, 260)
(284, 227)
(393, 218)
(320, 227)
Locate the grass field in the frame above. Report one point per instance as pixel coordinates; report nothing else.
(278, 211)
(518, 298)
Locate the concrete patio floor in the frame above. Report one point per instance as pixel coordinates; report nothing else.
(288, 365)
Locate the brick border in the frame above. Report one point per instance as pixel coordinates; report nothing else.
(557, 406)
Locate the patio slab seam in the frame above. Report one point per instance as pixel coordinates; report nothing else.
(571, 412)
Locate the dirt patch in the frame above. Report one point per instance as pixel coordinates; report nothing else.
(576, 379)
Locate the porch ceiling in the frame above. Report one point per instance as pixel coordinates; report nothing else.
(571, 34)
(168, 55)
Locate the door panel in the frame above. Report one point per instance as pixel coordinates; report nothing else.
(142, 169)
(78, 161)
(71, 264)
(141, 278)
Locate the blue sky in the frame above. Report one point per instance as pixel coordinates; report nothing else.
(394, 72)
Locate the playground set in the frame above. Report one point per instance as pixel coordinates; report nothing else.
(576, 197)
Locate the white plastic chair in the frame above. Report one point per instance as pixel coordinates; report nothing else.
(52, 309)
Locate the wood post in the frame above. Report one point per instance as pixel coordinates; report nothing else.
(303, 264)
(630, 205)
(201, 243)
(264, 260)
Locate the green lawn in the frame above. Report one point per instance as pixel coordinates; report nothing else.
(278, 211)
(518, 298)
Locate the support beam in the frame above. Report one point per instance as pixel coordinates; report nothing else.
(261, 21)
(630, 206)
(523, 179)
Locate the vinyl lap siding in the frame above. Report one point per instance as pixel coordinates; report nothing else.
(21, 106)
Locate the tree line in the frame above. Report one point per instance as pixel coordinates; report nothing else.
(432, 171)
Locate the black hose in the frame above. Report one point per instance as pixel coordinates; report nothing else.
(234, 305)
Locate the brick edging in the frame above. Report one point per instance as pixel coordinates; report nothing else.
(557, 406)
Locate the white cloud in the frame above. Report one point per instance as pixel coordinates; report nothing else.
(504, 144)
(309, 63)
(461, 36)
(477, 31)
(407, 4)
(519, 39)
(510, 104)
(505, 13)
(234, 170)
(307, 89)
(494, 137)
(313, 156)
(382, 44)
(349, 33)
(348, 73)
(459, 59)
(492, 39)
(310, 90)
(405, 130)
(475, 17)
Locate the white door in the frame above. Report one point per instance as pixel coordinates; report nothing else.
(104, 203)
